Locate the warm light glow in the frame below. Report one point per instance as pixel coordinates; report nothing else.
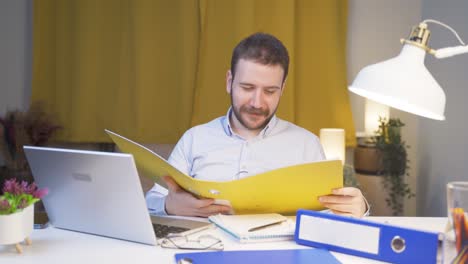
(373, 111)
(333, 142)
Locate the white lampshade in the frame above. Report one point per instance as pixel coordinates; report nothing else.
(333, 143)
(403, 82)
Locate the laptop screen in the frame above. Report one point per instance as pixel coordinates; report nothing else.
(92, 192)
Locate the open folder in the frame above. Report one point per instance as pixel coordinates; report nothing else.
(283, 190)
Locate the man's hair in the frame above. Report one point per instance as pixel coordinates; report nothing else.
(262, 48)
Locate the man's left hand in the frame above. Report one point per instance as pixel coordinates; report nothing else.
(345, 201)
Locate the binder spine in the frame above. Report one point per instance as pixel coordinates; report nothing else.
(365, 238)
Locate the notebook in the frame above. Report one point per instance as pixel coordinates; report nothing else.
(296, 256)
(99, 193)
(257, 227)
(300, 184)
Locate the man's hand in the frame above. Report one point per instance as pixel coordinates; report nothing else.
(180, 202)
(345, 201)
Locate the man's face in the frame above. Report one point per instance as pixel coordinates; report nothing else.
(255, 93)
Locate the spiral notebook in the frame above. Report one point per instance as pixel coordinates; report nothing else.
(256, 227)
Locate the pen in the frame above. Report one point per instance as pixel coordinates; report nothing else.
(267, 225)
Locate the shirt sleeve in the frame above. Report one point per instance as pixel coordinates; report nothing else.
(180, 156)
(156, 197)
(367, 213)
(156, 200)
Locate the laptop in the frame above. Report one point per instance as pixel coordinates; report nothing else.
(100, 193)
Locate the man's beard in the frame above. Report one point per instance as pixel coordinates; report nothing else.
(251, 110)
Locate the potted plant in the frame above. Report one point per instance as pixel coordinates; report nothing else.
(393, 163)
(349, 177)
(17, 212)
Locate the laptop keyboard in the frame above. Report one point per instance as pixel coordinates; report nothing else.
(163, 230)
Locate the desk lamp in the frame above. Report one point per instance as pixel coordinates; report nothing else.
(333, 142)
(404, 82)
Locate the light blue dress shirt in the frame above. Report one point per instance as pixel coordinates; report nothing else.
(213, 151)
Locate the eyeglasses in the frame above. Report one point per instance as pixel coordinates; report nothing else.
(204, 242)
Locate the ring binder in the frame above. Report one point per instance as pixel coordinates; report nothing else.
(364, 238)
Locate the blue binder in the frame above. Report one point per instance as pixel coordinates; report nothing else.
(364, 238)
(296, 256)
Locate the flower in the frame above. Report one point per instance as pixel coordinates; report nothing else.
(18, 196)
(13, 187)
(39, 193)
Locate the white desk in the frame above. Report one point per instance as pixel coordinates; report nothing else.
(53, 245)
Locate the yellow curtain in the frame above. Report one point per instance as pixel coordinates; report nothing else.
(152, 69)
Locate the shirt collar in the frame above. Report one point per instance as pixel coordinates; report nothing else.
(264, 133)
(227, 124)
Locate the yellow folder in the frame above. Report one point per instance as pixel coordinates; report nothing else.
(283, 190)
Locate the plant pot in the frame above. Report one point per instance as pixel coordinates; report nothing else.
(17, 227)
(367, 160)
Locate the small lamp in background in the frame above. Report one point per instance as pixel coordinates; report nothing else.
(366, 156)
(333, 142)
(373, 112)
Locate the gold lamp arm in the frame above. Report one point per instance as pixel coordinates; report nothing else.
(419, 37)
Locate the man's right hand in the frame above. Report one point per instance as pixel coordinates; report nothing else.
(180, 202)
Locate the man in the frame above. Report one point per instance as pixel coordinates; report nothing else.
(250, 139)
